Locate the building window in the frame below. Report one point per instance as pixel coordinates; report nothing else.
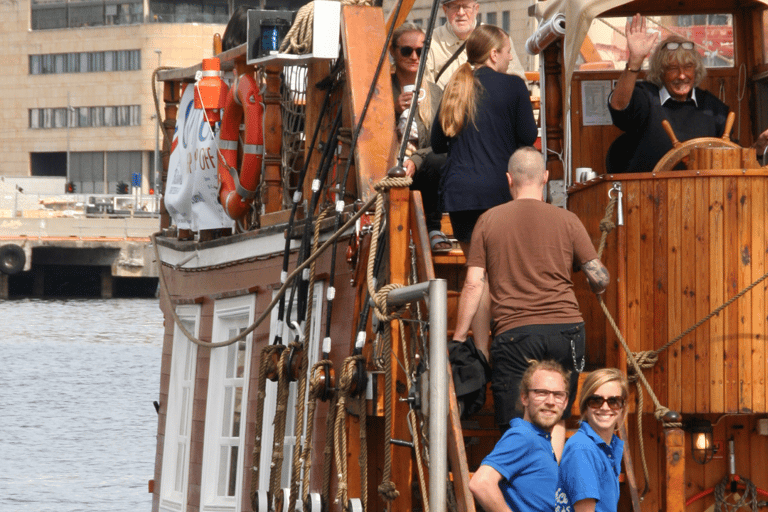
(200, 11)
(223, 453)
(56, 63)
(181, 389)
(505, 21)
(490, 18)
(49, 14)
(85, 117)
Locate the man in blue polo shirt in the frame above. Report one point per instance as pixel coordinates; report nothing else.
(520, 474)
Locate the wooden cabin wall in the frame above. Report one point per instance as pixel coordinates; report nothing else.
(692, 242)
(751, 452)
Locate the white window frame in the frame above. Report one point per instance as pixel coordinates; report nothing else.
(181, 389)
(270, 400)
(229, 315)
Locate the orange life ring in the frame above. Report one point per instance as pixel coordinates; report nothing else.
(237, 190)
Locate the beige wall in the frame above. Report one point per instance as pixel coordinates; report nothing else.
(181, 44)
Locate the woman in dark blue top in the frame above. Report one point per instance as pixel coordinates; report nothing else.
(484, 116)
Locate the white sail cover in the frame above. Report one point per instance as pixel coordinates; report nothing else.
(191, 196)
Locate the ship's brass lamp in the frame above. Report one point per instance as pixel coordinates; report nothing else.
(703, 447)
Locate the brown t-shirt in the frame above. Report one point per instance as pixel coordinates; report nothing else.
(528, 248)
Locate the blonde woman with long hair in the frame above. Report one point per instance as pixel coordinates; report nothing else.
(484, 116)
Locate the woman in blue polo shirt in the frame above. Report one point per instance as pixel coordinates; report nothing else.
(589, 470)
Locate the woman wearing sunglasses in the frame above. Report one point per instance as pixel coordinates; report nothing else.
(591, 463)
(671, 92)
(421, 163)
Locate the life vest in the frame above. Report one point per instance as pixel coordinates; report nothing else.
(237, 190)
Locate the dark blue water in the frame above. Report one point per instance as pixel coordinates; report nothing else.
(77, 424)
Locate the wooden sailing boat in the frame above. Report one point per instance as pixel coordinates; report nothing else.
(322, 405)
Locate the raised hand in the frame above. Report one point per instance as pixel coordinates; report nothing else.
(639, 42)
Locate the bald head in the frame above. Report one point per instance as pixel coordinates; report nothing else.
(526, 168)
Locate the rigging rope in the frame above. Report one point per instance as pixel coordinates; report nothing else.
(639, 361)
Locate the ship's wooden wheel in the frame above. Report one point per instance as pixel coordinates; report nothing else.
(681, 151)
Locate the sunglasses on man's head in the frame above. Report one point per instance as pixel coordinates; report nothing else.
(597, 401)
(407, 51)
(672, 46)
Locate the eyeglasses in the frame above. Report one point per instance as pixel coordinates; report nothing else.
(459, 7)
(672, 46)
(539, 395)
(597, 401)
(407, 51)
(675, 70)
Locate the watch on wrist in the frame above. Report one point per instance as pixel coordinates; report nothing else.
(630, 69)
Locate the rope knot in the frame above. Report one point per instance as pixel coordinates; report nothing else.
(646, 359)
(388, 491)
(607, 225)
(380, 299)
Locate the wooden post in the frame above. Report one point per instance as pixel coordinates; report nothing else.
(171, 98)
(399, 265)
(272, 196)
(674, 443)
(553, 69)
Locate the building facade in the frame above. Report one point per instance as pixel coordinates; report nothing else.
(77, 95)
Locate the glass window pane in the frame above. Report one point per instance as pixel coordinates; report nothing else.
(226, 415)
(84, 117)
(47, 18)
(109, 116)
(86, 15)
(122, 61)
(35, 65)
(223, 467)
(109, 61)
(712, 34)
(84, 62)
(97, 116)
(47, 118)
(135, 57)
(34, 118)
(47, 64)
(183, 417)
(58, 63)
(122, 115)
(180, 466)
(505, 21)
(60, 118)
(232, 471)
(238, 408)
(490, 18)
(73, 63)
(97, 61)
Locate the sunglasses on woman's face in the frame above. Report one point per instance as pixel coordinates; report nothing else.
(597, 401)
(687, 45)
(407, 51)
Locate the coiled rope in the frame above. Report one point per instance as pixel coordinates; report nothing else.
(298, 40)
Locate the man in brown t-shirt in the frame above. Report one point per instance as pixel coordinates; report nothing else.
(527, 249)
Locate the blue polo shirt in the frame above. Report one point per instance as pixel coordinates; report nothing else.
(524, 458)
(590, 469)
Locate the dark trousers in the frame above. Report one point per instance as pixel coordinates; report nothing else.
(510, 352)
(427, 180)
